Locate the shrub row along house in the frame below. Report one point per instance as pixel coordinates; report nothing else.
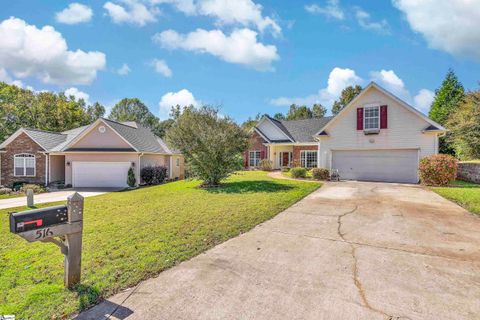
(97, 155)
(376, 137)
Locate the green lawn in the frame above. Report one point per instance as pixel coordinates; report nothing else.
(289, 174)
(133, 235)
(466, 194)
(9, 196)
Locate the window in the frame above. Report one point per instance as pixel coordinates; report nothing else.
(24, 165)
(254, 158)
(308, 159)
(371, 118)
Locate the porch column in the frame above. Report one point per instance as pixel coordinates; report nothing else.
(318, 156)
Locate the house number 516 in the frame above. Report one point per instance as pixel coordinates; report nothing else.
(43, 233)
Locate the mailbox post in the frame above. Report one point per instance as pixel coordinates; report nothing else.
(64, 222)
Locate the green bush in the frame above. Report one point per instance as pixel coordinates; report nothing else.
(438, 170)
(320, 173)
(37, 188)
(131, 181)
(298, 172)
(5, 191)
(265, 165)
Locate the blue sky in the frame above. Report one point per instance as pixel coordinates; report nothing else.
(245, 56)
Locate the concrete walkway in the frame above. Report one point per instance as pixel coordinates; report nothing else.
(51, 197)
(350, 250)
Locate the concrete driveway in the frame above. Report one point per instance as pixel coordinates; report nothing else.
(54, 196)
(350, 250)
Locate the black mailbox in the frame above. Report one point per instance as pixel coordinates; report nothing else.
(37, 219)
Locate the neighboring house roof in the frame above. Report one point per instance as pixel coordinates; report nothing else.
(299, 131)
(141, 139)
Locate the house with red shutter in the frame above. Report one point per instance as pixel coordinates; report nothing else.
(376, 137)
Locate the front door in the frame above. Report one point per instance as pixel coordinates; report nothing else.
(285, 159)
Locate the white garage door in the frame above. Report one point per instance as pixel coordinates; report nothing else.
(377, 165)
(100, 174)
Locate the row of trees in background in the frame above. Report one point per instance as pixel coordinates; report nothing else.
(57, 112)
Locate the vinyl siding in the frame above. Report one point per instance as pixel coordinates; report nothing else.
(404, 130)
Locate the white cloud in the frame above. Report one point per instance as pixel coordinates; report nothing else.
(390, 81)
(331, 10)
(449, 25)
(182, 98)
(365, 21)
(77, 94)
(74, 13)
(5, 77)
(124, 70)
(228, 12)
(132, 12)
(240, 46)
(43, 53)
(423, 100)
(338, 79)
(161, 67)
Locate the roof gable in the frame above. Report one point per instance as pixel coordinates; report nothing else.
(95, 138)
(273, 130)
(383, 91)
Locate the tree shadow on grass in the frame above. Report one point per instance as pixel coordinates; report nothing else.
(250, 187)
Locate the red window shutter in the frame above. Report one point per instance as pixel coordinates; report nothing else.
(246, 159)
(360, 119)
(262, 154)
(383, 117)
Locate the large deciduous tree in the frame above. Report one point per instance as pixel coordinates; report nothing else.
(464, 124)
(318, 111)
(447, 99)
(346, 96)
(41, 110)
(299, 112)
(211, 144)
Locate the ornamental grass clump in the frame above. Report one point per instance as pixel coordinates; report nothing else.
(438, 170)
(320, 173)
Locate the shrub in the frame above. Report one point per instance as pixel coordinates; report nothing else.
(265, 165)
(438, 170)
(298, 172)
(5, 191)
(17, 185)
(320, 173)
(131, 181)
(37, 188)
(153, 174)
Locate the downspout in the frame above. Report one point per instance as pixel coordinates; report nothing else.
(170, 173)
(139, 165)
(47, 164)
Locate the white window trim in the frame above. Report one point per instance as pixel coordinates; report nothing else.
(304, 163)
(365, 117)
(250, 157)
(25, 156)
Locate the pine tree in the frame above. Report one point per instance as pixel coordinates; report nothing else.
(446, 102)
(447, 98)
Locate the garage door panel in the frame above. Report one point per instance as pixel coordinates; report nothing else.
(100, 174)
(377, 165)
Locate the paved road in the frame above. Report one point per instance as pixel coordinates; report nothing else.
(50, 197)
(350, 250)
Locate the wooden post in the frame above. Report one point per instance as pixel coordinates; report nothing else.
(30, 198)
(73, 241)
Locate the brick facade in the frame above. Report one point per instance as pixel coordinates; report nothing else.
(298, 149)
(22, 144)
(256, 143)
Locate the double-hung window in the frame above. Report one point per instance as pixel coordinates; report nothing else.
(371, 118)
(254, 158)
(308, 159)
(24, 165)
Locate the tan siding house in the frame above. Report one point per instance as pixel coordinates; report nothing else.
(98, 155)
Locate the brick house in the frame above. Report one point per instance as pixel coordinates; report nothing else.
(376, 137)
